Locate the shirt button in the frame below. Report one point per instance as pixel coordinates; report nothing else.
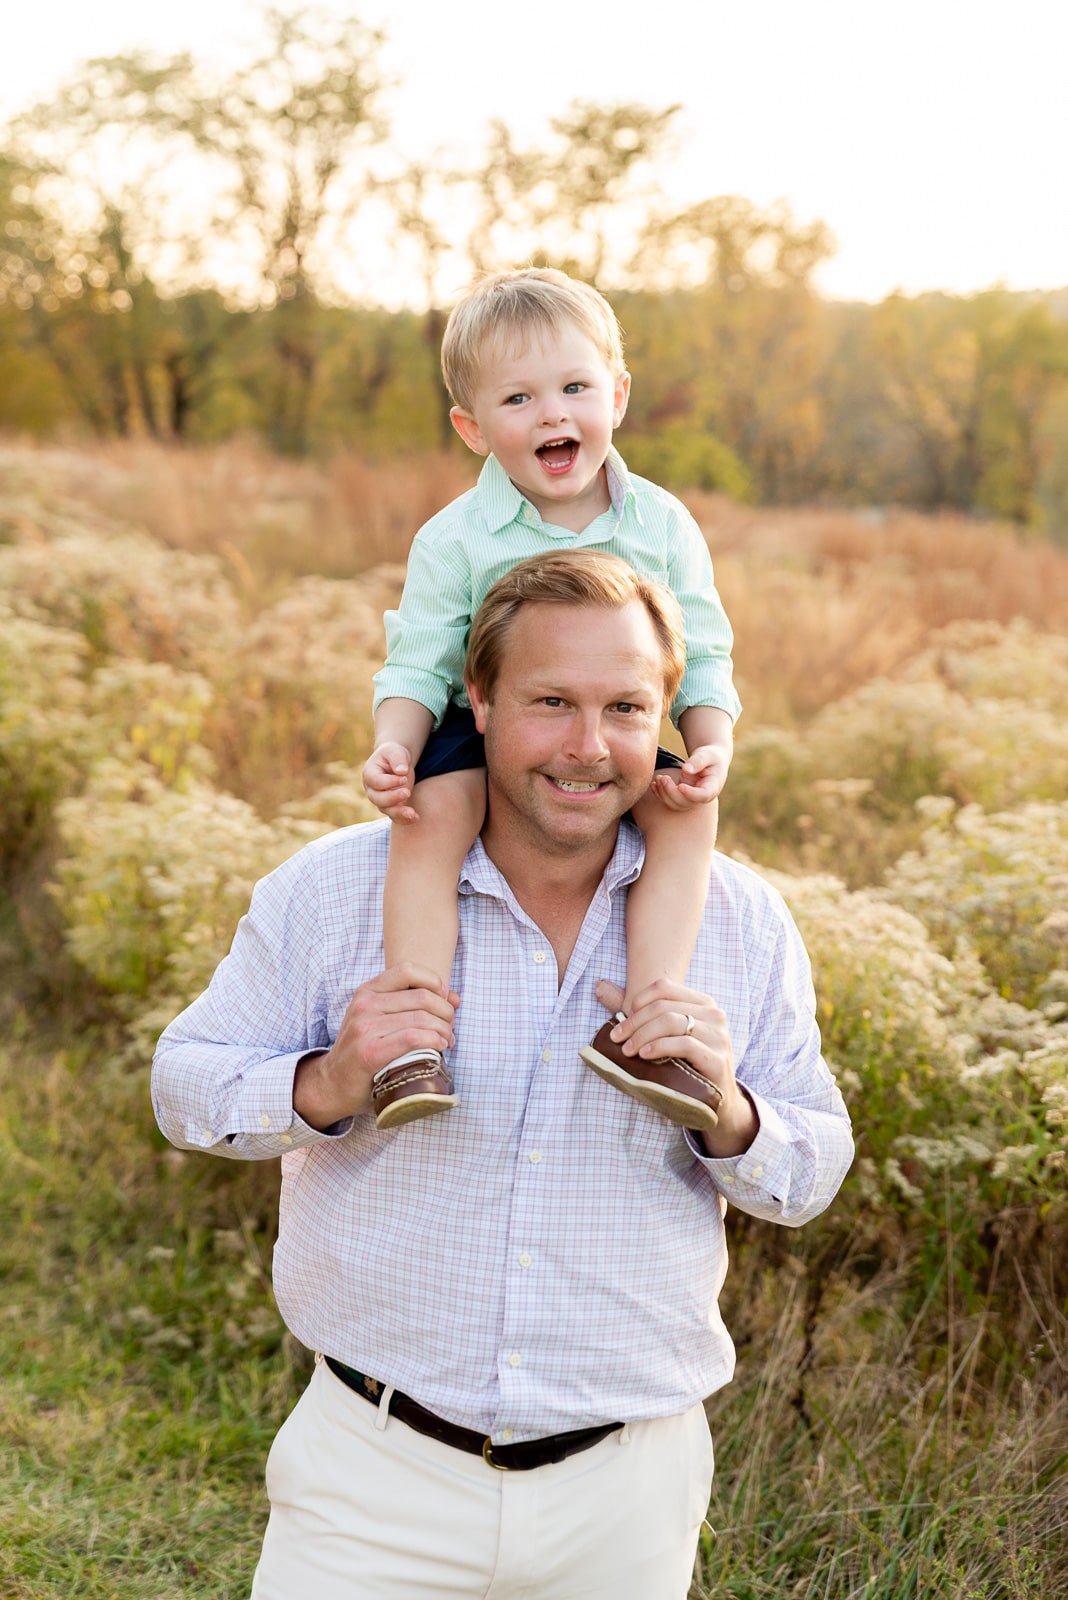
(265, 1121)
(546, 1055)
(539, 956)
(514, 1359)
(208, 1136)
(506, 1434)
(534, 1157)
(757, 1172)
(525, 1259)
(286, 1138)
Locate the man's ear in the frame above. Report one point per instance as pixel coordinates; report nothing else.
(479, 704)
(469, 430)
(620, 398)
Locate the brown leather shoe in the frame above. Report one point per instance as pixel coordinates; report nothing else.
(413, 1086)
(670, 1086)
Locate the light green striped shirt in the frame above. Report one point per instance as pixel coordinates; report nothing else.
(458, 556)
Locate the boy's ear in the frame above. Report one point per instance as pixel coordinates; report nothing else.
(469, 430)
(622, 395)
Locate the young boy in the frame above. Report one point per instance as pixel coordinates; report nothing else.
(534, 362)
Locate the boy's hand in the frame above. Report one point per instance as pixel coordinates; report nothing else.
(387, 778)
(696, 783)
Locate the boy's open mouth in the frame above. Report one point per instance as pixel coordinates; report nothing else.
(557, 455)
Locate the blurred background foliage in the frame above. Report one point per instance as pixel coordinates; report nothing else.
(176, 255)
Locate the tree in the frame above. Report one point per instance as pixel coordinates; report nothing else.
(275, 142)
(578, 202)
(971, 379)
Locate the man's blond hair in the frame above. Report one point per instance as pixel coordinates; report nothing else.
(515, 307)
(571, 578)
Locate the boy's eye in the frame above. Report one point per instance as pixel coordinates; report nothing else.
(574, 388)
(515, 399)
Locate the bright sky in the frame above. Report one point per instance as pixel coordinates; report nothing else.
(930, 134)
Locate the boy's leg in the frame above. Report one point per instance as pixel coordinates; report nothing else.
(420, 923)
(665, 908)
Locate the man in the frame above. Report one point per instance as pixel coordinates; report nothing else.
(517, 1303)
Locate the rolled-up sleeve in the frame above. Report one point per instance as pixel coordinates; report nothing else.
(708, 679)
(804, 1145)
(222, 1077)
(426, 637)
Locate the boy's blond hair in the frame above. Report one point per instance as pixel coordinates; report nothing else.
(512, 306)
(571, 578)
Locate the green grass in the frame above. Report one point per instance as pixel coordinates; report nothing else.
(865, 1451)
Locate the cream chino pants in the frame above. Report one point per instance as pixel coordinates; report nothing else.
(364, 1508)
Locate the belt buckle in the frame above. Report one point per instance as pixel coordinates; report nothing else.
(487, 1456)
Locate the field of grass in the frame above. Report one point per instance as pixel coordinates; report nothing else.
(186, 644)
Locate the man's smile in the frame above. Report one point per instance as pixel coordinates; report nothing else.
(577, 786)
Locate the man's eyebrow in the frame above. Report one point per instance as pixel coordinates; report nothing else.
(550, 686)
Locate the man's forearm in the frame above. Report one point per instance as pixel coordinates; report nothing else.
(318, 1099)
(735, 1131)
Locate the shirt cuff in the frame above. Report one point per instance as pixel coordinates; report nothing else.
(428, 689)
(750, 1176)
(707, 683)
(264, 1120)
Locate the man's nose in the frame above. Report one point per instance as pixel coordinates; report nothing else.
(587, 742)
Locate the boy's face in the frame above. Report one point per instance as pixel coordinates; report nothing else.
(547, 411)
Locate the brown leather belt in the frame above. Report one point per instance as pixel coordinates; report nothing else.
(505, 1457)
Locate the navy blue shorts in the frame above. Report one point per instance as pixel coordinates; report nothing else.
(457, 747)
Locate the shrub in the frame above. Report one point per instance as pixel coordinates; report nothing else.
(124, 593)
(151, 882)
(942, 1074)
(1001, 881)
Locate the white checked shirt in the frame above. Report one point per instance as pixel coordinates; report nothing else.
(549, 1254)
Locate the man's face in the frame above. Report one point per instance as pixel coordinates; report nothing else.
(571, 731)
(547, 411)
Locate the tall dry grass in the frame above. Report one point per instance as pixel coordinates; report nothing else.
(821, 601)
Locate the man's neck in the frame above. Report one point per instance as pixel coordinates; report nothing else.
(555, 891)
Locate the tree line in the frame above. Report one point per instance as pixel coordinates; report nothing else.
(170, 247)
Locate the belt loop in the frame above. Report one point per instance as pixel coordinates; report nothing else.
(624, 1433)
(382, 1409)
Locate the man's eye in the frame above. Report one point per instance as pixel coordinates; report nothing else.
(553, 700)
(625, 706)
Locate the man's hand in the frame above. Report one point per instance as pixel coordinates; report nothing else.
(387, 778)
(405, 1008)
(656, 1027)
(696, 783)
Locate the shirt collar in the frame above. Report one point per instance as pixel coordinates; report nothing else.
(502, 502)
(480, 876)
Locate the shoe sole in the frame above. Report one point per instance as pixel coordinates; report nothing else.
(414, 1106)
(678, 1108)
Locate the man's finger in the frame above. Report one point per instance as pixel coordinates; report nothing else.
(610, 995)
(405, 975)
